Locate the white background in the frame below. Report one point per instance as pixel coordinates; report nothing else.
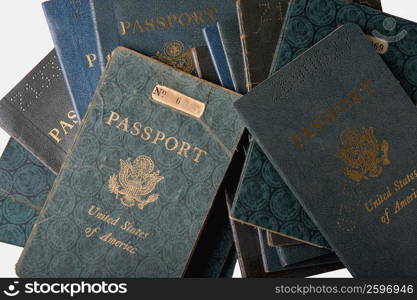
(25, 40)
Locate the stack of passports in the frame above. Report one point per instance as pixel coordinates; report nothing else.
(172, 139)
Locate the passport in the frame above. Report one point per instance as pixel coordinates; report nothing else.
(203, 64)
(272, 262)
(265, 201)
(38, 113)
(260, 23)
(71, 25)
(290, 255)
(140, 178)
(302, 228)
(24, 186)
(230, 37)
(163, 29)
(344, 142)
(218, 56)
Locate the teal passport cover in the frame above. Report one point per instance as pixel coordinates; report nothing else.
(24, 186)
(350, 13)
(163, 29)
(140, 179)
(344, 141)
(71, 25)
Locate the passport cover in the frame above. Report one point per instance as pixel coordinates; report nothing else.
(138, 183)
(277, 240)
(163, 29)
(214, 44)
(272, 262)
(71, 25)
(38, 113)
(350, 156)
(290, 255)
(203, 64)
(24, 186)
(302, 225)
(265, 201)
(260, 22)
(230, 37)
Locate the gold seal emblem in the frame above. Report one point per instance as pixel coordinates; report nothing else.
(176, 55)
(135, 179)
(363, 155)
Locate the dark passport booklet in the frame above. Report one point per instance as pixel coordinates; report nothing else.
(71, 25)
(203, 64)
(24, 186)
(39, 114)
(290, 255)
(344, 141)
(163, 29)
(140, 178)
(277, 240)
(260, 22)
(230, 37)
(218, 56)
(302, 225)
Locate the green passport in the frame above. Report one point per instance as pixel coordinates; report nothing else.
(141, 177)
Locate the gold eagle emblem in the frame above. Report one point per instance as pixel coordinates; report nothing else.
(362, 154)
(175, 55)
(135, 180)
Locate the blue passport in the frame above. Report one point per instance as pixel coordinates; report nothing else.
(163, 29)
(71, 25)
(141, 177)
(215, 46)
(344, 141)
(230, 37)
(24, 187)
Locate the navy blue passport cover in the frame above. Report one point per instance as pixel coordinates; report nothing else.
(24, 186)
(230, 37)
(344, 141)
(71, 25)
(163, 29)
(214, 43)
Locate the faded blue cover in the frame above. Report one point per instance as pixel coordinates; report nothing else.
(71, 25)
(131, 163)
(230, 37)
(214, 43)
(290, 255)
(166, 29)
(24, 187)
(344, 141)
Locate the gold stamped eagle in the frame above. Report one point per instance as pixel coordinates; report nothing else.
(135, 180)
(363, 155)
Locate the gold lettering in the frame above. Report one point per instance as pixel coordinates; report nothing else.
(124, 124)
(187, 19)
(185, 147)
(54, 133)
(65, 125)
(146, 135)
(211, 14)
(160, 136)
(167, 141)
(138, 26)
(171, 20)
(114, 116)
(198, 152)
(91, 58)
(124, 25)
(135, 131)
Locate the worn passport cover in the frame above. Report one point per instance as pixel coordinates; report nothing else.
(344, 140)
(218, 56)
(230, 37)
(140, 178)
(24, 186)
(71, 25)
(38, 113)
(290, 255)
(163, 29)
(203, 64)
(349, 13)
(260, 22)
